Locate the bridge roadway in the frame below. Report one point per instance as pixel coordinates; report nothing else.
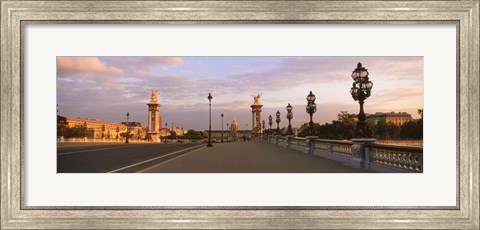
(115, 157)
(249, 157)
(241, 157)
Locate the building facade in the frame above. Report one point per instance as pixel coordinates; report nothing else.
(107, 129)
(396, 118)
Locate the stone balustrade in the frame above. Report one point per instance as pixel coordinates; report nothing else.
(402, 157)
(358, 153)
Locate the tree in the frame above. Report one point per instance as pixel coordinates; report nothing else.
(61, 125)
(76, 131)
(381, 129)
(124, 135)
(192, 134)
(173, 135)
(409, 130)
(393, 130)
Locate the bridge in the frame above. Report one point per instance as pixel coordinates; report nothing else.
(273, 154)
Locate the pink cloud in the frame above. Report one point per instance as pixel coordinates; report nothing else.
(84, 65)
(141, 65)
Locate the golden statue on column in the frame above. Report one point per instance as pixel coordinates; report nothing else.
(256, 116)
(154, 118)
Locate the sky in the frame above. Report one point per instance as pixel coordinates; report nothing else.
(106, 88)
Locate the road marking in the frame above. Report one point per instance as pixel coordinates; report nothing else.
(143, 170)
(129, 166)
(90, 150)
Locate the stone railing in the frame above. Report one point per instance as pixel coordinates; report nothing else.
(402, 157)
(339, 148)
(359, 153)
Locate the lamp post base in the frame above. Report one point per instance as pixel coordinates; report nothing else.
(311, 143)
(360, 158)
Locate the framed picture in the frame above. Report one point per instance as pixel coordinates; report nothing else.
(239, 114)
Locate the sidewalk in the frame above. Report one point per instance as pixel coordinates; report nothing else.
(249, 157)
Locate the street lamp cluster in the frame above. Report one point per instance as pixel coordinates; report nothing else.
(128, 129)
(278, 121)
(311, 109)
(210, 120)
(289, 117)
(360, 91)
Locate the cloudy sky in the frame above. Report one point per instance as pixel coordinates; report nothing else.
(107, 88)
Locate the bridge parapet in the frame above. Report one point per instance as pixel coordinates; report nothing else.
(405, 158)
(376, 157)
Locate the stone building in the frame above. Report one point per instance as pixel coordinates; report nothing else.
(107, 129)
(396, 118)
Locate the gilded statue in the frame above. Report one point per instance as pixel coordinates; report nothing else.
(153, 95)
(256, 98)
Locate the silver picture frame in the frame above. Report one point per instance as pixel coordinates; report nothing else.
(16, 14)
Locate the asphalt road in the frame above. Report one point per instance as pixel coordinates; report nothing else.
(119, 158)
(250, 157)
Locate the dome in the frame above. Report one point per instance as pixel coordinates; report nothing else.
(234, 125)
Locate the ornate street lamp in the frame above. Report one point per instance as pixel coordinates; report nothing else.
(263, 126)
(128, 129)
(278, 121)
(85, 132)
(270, 122)
(289, 117)
(311, 109)
(228, 133)
(222, 126)
(360, 91)
(210, 121)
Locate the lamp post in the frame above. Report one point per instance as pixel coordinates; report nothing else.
(360, 91)
(311, 109)
(289, 117)
(85, 132)
(270, 122)
(210, 120)
(228, 135)
(278, 121)
(128, 130)
(263, 126)
(222, 126)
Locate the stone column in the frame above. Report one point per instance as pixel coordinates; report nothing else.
(154, 125)
(311, 143)
(359, 155)
(289, 140)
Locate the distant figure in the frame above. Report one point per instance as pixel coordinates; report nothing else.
(153, 95)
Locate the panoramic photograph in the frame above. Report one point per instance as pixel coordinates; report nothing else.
(240, 114)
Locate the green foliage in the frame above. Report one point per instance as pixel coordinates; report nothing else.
(194, 135)
(393, 131)
(76, 131)
(381, 130)
(412, 130)
(344, 128)
(61, 125)
(124, 134)
(173, 135)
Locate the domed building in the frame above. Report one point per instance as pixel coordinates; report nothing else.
(233, 130)
(234, 126)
